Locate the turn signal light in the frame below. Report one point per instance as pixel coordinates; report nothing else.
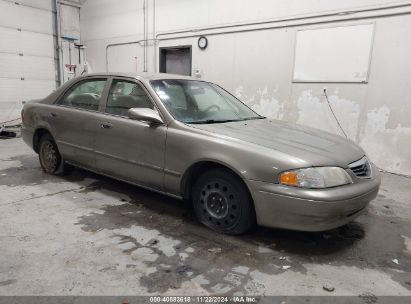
(289, 178)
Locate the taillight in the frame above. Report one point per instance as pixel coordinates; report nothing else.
(22, 116)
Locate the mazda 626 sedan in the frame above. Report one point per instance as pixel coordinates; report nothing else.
(193, 140)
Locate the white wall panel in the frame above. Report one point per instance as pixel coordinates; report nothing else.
(10, 91)
(26, 18)
(94, 9)
(128, 25)
(27, 43)
(15, 66)
(10, 101)
(27, 66)
(15, 91)
(125, 58)
(120, 20)
(35, 89)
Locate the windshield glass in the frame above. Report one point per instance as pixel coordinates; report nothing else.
(191, 101)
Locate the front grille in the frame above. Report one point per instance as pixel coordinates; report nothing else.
(361, 168)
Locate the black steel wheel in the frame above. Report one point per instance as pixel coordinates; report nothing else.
(223, 203)
(49, 156)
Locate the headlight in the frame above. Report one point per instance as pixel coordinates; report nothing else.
(316, 177)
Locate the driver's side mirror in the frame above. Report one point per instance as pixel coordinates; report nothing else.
(145, 114)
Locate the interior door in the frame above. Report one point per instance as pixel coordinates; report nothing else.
(176, 60)
(129, 149)
(74, 122)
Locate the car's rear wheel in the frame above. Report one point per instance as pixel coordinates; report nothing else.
(49, 156)
(222, 202)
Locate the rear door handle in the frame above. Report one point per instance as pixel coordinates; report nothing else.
(53, 114)
(106, 125)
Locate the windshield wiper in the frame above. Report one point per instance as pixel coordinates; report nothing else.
(212, 121)
(257, 117)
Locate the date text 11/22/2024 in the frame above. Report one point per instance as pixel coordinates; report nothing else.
(203, 299)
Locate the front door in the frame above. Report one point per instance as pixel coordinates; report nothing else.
(129, 149)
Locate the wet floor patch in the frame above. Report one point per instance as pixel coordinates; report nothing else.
(7, 282)
(29, 173)
(162, 233)
(204, 256)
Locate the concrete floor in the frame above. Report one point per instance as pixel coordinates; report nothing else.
(89, 235)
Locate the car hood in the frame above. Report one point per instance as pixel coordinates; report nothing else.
(316, 147)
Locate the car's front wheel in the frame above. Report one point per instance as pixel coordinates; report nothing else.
(49, 156)
(223, 203)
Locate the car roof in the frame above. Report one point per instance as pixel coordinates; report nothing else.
(143, 76)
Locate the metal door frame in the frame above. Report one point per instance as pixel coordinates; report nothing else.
(162, 58)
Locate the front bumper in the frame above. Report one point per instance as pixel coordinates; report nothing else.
(312, 209)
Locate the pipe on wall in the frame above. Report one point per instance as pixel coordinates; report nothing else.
(154, 26)
(342, 15)
(295, 18)
(144, 36)
(59, 48)
(70, 3)
(121, 43)
(146, 44)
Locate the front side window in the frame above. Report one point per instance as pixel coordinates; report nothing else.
(125, 95)
(192, 101)
(84, 95)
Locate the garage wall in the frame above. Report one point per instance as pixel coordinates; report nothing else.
(251, 52)
(32, 53)
(27, 65)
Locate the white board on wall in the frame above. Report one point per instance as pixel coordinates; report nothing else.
(334, 54)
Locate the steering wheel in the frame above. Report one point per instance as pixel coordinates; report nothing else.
(94, 95)
(210, 107)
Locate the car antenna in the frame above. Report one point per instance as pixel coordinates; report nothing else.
(332, 111)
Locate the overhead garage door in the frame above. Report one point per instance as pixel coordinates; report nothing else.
(27, 64)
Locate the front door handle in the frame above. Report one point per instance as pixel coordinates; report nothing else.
(53, 114)
(106, 125)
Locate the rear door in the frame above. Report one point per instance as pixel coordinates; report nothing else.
(129, 149)
(74, 122)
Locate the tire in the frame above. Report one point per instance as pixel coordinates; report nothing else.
(49, 156)
(222, 202)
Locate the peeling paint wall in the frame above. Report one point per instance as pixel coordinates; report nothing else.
(315, 111)
(389, 147)
(257, 64)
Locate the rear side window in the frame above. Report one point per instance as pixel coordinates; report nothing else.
(125, 95)
(84, 95)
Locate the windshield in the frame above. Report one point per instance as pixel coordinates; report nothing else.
(192, 101)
